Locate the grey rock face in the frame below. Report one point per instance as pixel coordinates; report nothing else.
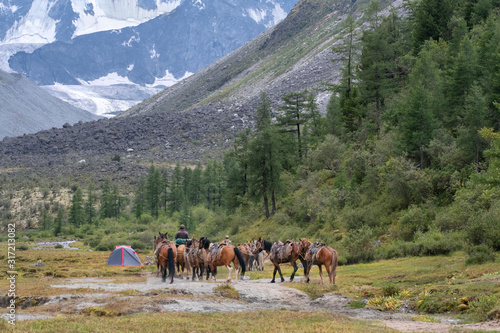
(26, 108)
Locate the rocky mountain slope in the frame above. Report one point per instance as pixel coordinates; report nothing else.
(198, 117)
(26, 108)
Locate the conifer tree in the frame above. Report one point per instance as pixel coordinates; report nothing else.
(195, 185)
(176, 197)
(265, 159)
(294, 116)
(90, 211)
(107, 208)
(153, 191)
(76, 213)
(164, 184)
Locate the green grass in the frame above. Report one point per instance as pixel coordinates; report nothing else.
(259, 321)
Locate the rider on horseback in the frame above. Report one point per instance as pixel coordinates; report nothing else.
(181, 236)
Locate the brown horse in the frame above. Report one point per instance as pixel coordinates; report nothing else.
(181, 261)
(280, 253)
(166, 254)
(194, 257)
(320, 255)
(247, 254)
(225, 255)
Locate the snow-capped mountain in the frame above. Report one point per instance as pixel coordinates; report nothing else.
(72, 46)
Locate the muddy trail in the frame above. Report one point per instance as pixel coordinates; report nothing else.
(153, 295)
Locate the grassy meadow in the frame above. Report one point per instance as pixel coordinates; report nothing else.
(429, 286)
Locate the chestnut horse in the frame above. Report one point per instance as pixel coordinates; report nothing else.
(181, 262)
(280, 253)
(320, 255)
(166, 254)
(225, 255)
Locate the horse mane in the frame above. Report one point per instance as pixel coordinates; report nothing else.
(205, 242)
(267, 245)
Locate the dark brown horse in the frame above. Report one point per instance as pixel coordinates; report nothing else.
(166, 254)
(320, 255)
(280, 253)
(224, 256)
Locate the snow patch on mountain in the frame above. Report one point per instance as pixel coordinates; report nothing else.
(110, 94)
(40, 24)
(277, 15)
(101, 15)
(35, 27)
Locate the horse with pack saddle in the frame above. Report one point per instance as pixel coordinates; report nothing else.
(280, 253)
(221, 254)
(166, 255)
(321, 255)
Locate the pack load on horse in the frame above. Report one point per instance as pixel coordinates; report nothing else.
(321, 255)
(194, 257)
(247, 254)
(166, 254)
(259, 257)
(222, 255)
(280, 253)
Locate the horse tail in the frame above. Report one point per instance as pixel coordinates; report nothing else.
(240, 260)
(171, 262)
(333, 268)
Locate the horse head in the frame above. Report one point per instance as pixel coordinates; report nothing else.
(304, 245)
(162, 236)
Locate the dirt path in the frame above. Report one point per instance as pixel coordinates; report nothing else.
(187, 296)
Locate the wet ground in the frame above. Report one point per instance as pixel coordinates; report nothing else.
(153, 295)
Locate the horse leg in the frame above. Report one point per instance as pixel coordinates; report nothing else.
(163, 273)
(230, 269)
(307, 272)
(295, 268)
(320, 273)
(281, 275)
(274, 273)
(327, 267)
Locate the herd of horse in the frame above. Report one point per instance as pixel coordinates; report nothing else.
(201, 256)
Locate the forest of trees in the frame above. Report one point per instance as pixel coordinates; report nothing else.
(405, 161)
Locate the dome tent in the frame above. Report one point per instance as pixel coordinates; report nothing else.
(124, 255)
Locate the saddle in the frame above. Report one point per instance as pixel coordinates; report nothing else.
(313, 251)
(160, 245)
(215, 253)
(280, 251)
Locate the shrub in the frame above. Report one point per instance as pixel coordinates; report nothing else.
(390, 290)
(479, 254)
(484, 228)
(412, 220)
(138, 245)
(358, 245)
(480, 307)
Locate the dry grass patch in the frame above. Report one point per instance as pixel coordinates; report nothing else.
(260, 321)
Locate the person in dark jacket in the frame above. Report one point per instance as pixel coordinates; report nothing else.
(181, 234)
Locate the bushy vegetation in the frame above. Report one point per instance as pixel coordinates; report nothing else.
(404, 163)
